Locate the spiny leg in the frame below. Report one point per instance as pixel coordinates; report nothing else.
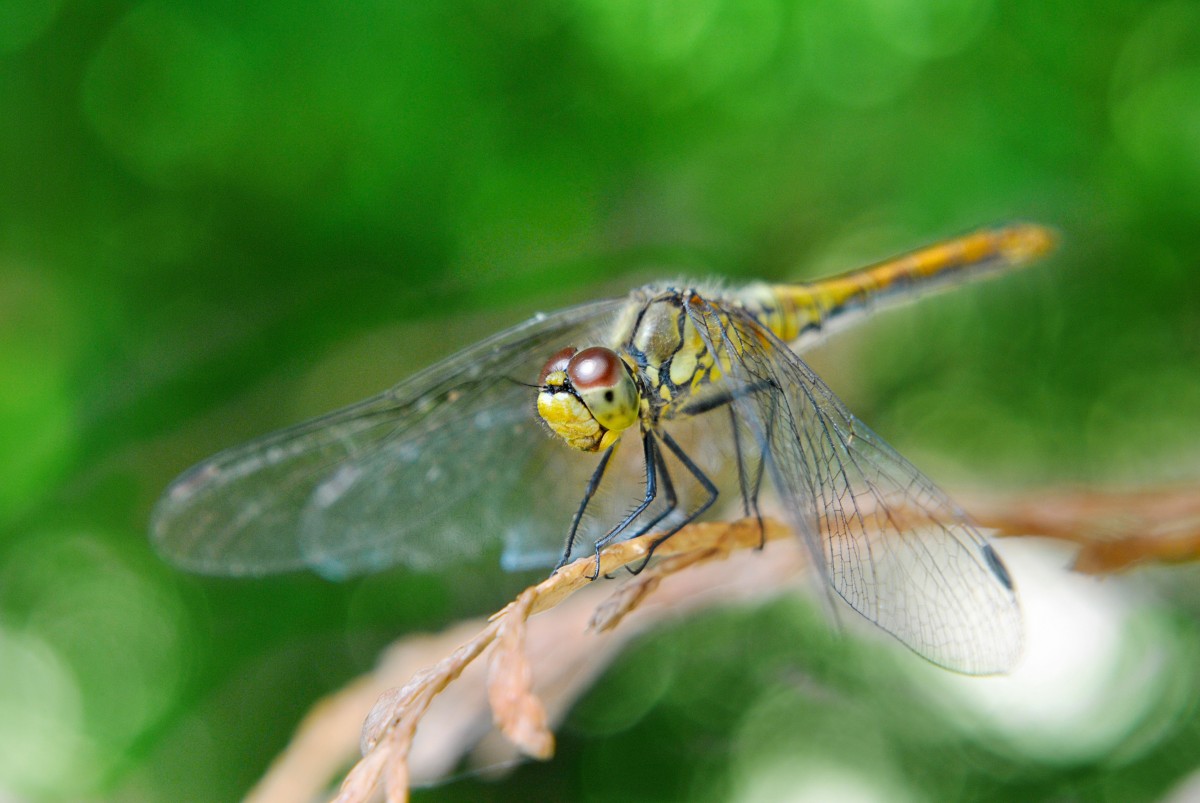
(588, 493)
(749, 489)
(741, 468)
(649, 455)
(762, 467)
(772, 415)
(701, 478)
(669, 491)
(726, 397)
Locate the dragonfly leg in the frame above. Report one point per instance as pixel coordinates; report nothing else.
(668, 490)
(588, 493)
(650, 454)
(750, 487)
(701, 478)
(718, 400)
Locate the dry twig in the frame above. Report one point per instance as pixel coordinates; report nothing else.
(1133, 527)
(1115, 530)
(517, 713)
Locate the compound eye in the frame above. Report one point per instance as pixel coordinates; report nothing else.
(595, 367)
(606, 387)
(558, 362)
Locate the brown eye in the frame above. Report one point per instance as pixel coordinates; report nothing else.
(605, 385)
(595, 367)
(556, 363)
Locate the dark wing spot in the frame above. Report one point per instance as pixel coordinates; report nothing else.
(997, 567)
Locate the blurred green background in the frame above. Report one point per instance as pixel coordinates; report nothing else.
(219, 218)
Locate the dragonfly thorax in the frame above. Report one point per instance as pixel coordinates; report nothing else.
(669, 351)
(588, 398)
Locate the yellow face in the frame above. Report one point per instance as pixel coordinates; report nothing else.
(588, 398)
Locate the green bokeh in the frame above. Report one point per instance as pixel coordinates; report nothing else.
(219, 218)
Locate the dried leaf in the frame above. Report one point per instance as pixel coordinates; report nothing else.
(361, 781)
(380, 719)
(396, 775)
(518, 713)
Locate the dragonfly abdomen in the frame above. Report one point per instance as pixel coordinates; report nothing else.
(796, 311)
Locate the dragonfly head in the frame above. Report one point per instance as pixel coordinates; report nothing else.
(588, 398)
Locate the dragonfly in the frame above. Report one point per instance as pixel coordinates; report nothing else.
(623, 417)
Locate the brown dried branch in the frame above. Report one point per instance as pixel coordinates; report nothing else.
(517, 712)
(737, 535)
(1114, 531)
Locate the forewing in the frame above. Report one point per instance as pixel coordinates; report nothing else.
(891, 544)
(423, 474)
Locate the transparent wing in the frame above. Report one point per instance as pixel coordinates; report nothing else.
(891, 544)
(437, 469)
